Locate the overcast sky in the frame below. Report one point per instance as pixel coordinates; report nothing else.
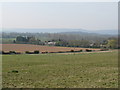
(85, 15)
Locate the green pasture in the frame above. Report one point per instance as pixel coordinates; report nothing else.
(84, 70)
(7, 40)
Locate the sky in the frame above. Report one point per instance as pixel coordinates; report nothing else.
(73, 15)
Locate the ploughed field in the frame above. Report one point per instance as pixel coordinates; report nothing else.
(84, 70)
(28, 47)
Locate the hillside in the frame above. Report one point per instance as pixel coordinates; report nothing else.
(62, 30)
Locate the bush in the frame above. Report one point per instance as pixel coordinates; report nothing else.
(61, 51)
(36, 52)
(72, 50)
(104, 49)
(87, 50)
(5, 52)
(14, 71)
(27, 52)
(45, 52)
(12, 52)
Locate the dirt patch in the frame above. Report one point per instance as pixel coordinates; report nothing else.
(28, 47)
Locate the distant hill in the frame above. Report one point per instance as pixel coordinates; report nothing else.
(109, 32)
(62, 30)
(99, 32)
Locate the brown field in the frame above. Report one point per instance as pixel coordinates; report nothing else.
(28, 47)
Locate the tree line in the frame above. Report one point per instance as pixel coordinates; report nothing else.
(65, 39)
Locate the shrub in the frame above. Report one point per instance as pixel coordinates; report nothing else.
(46, 52)
(104, 49)
(43, 52)
(14, 71)
(72, 50)
(27, 52)
(12, 52)
(60, 52)
(5, 52)
(36, 52)
(87, 50)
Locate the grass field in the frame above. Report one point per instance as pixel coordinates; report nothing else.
(7, 40)
(85, 70)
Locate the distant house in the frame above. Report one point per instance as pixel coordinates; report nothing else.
(92, 44)
(103, 46)
(51, 43)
